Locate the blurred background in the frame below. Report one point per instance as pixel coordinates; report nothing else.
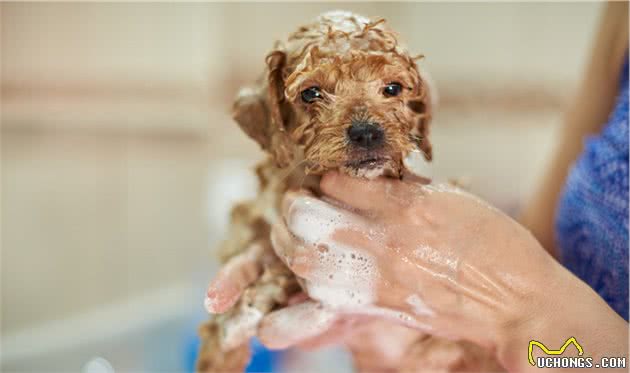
(120, 160)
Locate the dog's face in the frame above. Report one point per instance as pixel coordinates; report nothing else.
(341, 95)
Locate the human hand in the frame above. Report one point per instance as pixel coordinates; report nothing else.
(376, 344)
(430, 256)
(233, 278)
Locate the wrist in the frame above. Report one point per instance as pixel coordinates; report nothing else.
(541, 315)
(563, 308)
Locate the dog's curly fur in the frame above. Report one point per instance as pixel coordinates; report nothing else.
(351, 59)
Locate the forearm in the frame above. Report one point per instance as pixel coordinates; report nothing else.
(566, 308)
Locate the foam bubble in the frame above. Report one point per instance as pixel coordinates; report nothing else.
(418, 165)
(335, 297)
(239, 329)
(428, 254)
(312, 220)
(371, 173)
(343, 20)
(300, 322)
(315, 222)
(343, 276)
(418, 306)
(397, 316)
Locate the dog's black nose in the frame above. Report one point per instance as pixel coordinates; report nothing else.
(366, 135)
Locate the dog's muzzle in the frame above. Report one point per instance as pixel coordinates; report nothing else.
(366, 135)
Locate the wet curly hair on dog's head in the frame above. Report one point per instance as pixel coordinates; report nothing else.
(340, 93)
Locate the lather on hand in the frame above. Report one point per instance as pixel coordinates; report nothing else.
(440, 260)
(431, 257)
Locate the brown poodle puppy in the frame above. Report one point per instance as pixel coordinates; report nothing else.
(340, 94)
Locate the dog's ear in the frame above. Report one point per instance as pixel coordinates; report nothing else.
(423, 104)
(260, 113)
(276, 61)
(281, 146)
(250, 112)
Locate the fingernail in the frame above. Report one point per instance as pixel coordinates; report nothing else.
(218, 300)
(210, 303)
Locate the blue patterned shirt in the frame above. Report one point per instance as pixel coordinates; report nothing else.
(592, 215)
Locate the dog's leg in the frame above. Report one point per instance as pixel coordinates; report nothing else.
(225, 337)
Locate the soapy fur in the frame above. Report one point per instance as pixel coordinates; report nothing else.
(351, 58)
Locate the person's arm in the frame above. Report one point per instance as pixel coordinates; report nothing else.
(442, 261)
(588, 111)
(567, 308)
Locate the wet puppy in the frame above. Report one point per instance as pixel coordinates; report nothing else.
(340, 94)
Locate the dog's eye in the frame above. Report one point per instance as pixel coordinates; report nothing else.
(392, 89)
(311, 94)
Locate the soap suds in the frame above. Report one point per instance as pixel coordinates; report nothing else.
(240, 328)
(343, 20)
(396, 316)
(428, 254)
(297, 323)
(418, 306)
(418, 165)
(344, 275)
(313, 220)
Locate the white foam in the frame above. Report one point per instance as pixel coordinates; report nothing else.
(342, 20)
(373, 173)
(343, 276)
(418, 306)
(427, 254)
(314, 220)
(397, 316)
(418, 165)
(346, 299)
(239, 329)
(301, 321)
